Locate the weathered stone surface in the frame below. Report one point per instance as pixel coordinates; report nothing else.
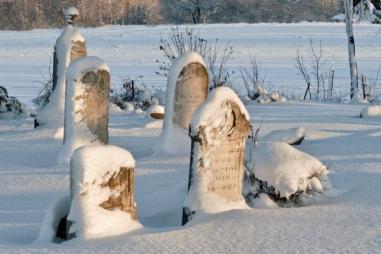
(226, 157)
(122, 183)
(96, 98)
(191, 91)
(217, 156)
(78, 50)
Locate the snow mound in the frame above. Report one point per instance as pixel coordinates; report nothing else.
(264, 202)
(76, 132)
(156, 112)
(52, 115)
(91, 166)
(293, 136)
(57, 211)
(289, 170)
(174, 140)
(371, 111)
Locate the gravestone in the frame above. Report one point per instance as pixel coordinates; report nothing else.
(87, 105)
(218, 132)
(70, 45)
(102, 191)
(187, 88)
(191, 91)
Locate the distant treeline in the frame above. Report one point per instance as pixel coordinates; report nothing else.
(28, 14)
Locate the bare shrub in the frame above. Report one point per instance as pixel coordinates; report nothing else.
(253, 78)
(215, 56)
(317, 72)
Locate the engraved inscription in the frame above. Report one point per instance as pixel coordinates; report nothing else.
(191, 91)
(226, 154)
(227, 168)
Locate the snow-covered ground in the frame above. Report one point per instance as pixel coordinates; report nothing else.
(132, 51)
(348, 219)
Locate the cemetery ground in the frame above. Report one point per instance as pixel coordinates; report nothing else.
(347, 218)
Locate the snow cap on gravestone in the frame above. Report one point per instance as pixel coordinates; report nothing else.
(71, 14)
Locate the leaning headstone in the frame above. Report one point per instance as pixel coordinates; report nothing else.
(70, 46)
(102, 192)
(187, 88)
(293, 136)
(87, 105)
(218, 130)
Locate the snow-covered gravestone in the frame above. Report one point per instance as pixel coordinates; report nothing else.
(70, 46)
(86, 107)
(102, 192)
(218, 130)
(187, 88)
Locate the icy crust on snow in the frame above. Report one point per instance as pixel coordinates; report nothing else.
(206, 112)
(210, 115)
(289, 136)
(52, 114)
(289, 170)
(58, 210)
(76, 132)
(173, 139)
(371, 111)
(90, 167)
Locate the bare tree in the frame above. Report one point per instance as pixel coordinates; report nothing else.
(348, 4)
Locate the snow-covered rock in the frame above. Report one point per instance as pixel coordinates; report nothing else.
(77, 132)
(293, 136)
(371, 111)
(91, 168)
(156, 112)
(52, 115)
(174, 140)
(289, 170)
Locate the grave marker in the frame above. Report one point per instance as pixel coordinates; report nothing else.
(191, 91)
(102, 191)
(187, 88)
(218, 131)
(70, 45)
(87, 105)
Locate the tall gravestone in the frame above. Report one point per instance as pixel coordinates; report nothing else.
(102, 192)
(187, 88)
(218, 131)
(87, 105)
(70, 45)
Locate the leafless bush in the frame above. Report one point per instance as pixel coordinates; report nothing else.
(320, 76)
(46, 88)
(302, 69)
(215, 56)
(133, 91)
(253, 78)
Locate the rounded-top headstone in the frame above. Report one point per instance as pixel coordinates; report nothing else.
(87, 105)
(187, 88)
